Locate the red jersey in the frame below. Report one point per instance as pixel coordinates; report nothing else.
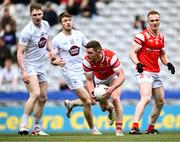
(105, 67)
(151, 47)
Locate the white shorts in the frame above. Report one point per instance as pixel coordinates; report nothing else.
(154, 78)
(75, 81)
(41, 74)
(106, 81)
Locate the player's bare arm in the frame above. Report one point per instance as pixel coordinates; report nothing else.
(121, 78)
(20, 56)
(20, 59)
(90, 85)
(89, 82)
(133, 54)
(116, 83)
(133, 57)
(52, 52)
(164, 59)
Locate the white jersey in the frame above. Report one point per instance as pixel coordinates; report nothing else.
(70, 49)
(35, 39)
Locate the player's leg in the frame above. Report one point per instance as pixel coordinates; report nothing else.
(158, 94)
(73, 83)
(83, 95)
(34, 92)
(115, 97)
(106, 105)
(70, 105)
(145, 93)
(38, 109)
(85, 98)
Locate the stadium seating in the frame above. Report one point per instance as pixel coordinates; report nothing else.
(114, 29)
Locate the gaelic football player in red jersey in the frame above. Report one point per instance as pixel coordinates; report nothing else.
(148, 47)
(102, 66)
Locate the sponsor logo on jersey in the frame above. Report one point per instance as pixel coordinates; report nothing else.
(42, 42)
(74, 50)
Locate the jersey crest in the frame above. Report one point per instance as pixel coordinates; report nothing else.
(42, 42)
(74, 50)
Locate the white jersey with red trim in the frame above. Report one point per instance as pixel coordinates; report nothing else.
(151, 47)
(104, 68)
(70, 49)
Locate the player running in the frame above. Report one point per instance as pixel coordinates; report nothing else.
(69, 44)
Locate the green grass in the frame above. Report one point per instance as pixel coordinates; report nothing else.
(84, 137)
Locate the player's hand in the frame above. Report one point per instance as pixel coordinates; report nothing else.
(25, 77)
(58, 62)
(139, 67)
(171, 68)
(108, 93)
(52, 55)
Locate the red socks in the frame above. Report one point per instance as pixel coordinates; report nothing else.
(118, 126)
(150, 127)
(135, 125)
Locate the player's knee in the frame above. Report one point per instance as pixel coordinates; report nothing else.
(146, 100)
(115, 98)
(161, 102)
(42, 99)
(33, 98)
(36, 93)
(87, 101)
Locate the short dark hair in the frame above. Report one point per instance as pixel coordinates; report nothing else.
(94, 44)
(36, 6)
(152, 12)
(64, 14)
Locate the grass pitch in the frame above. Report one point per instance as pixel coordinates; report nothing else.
(85, 137)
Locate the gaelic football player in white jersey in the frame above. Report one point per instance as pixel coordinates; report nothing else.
(32, 48)
(69, 44)
(148, 47)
